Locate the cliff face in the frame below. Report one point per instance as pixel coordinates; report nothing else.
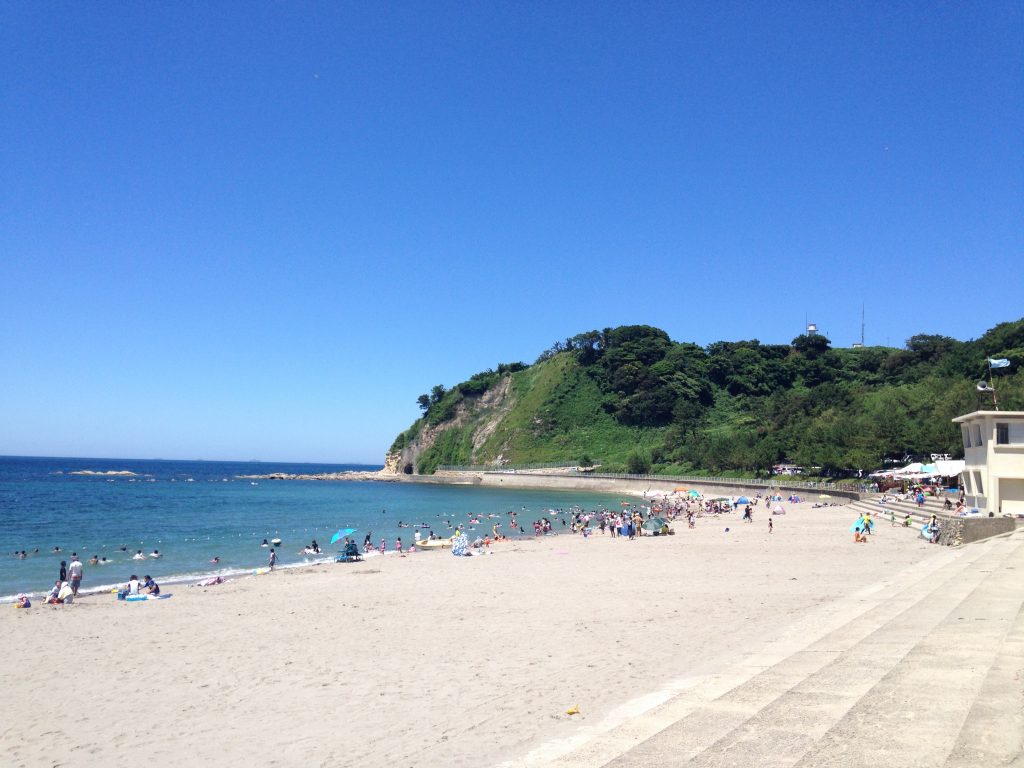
(475, 419)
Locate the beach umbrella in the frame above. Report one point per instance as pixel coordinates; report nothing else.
(694, 493)
(680, 489)
(342, 533)
(654, 524)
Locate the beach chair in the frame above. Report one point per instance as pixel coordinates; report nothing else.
(348, 557)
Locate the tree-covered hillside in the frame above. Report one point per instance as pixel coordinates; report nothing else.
(631, 398)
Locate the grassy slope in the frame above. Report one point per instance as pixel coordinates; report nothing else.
(558, 416)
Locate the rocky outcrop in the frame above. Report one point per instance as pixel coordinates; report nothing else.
(484, 413)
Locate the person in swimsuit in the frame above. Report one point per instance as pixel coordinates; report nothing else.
(273, 558)
(75, 573)
(151, 586)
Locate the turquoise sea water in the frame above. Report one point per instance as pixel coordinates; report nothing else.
(193, 511)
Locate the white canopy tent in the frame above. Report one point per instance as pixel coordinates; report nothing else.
(918, 471)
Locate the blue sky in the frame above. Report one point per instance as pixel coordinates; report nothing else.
(255, 230)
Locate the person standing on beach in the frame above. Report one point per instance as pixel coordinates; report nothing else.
(63, 571)
(273, 558)
(770, 526)
(75, 573)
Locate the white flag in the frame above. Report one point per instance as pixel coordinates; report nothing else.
(1000, 362)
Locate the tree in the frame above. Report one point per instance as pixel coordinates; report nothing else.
(437, 392)
(638, 463)
(928, 347)
(811, 346)
(423, 401)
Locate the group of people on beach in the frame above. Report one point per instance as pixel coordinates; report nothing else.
(65, 588)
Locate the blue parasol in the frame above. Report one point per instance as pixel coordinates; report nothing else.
(342, 533)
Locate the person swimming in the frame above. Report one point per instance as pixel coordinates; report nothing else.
(138, 555)
(215, 560)
(94, 560)
(155, 553)
(265, 543)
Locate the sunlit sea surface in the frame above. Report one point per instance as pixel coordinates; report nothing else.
(194, 511)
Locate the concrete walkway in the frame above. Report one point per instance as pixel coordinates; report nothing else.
(926, 672)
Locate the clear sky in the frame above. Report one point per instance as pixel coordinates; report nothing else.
(260, 230)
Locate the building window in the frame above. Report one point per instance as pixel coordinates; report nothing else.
(967, 483)
(977, 435)
(1002, 433)
(967, 436)
(977, 484)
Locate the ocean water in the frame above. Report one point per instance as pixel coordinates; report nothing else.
(194, 511)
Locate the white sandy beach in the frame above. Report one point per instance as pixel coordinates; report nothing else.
(424, 660)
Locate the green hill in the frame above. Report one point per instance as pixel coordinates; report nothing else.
(630, 398)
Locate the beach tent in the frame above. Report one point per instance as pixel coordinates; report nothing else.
(913, 468)
(654, 524)
(694, 493)
(742, 500)
(949, 468)
(779, 510)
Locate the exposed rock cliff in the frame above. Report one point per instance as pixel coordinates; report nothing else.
(474, 420)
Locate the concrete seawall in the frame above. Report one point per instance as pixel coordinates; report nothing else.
(599, 484)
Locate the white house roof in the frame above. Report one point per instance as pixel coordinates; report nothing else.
(982, 414)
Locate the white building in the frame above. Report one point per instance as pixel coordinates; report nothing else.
(994, 460)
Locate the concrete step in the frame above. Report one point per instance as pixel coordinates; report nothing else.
(809, 645)
(779, 715)
(914, 715)
(993, 732)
